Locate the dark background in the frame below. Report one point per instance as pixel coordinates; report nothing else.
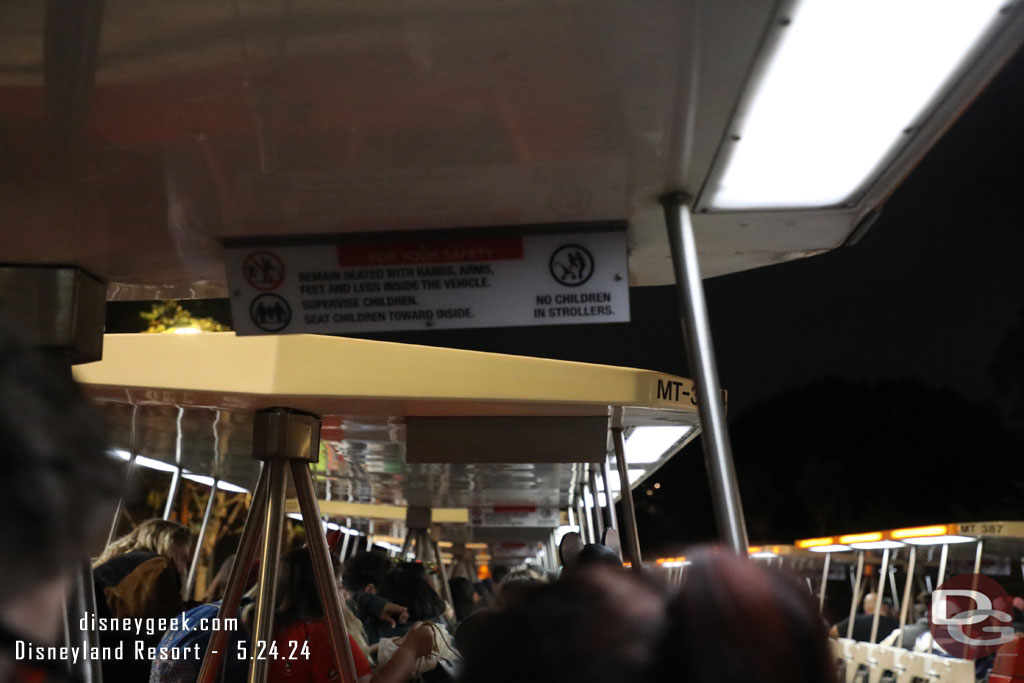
(871, 387)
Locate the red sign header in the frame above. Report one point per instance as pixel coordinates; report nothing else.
(436, 250)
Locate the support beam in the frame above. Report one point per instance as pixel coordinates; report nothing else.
(629, 514)
(700, 351)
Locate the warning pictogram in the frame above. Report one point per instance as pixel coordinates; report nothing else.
(571, 265)
(263, 270)
(270, 313)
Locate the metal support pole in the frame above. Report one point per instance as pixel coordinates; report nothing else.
(443, 572)
(977, 557)
(190, 584)
(596, 498)
(824, 582)
(172, 494)
(133, 452)
(908, 586)
(344, 541)
(856, 593)
(581, 517)
(325, 579)
(236, 579)
(697, 332)
(81, 600)
(892, 582)
(613, 520)
(369, 536)
(632, 537)
(879, 601)
(273, 525)
(942, 564)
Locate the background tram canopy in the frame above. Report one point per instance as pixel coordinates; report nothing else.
(492, 434)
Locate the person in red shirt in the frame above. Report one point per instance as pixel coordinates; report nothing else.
(302, 646)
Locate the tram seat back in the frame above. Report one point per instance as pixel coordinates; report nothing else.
(878, 663)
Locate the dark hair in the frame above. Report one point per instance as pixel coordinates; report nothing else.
(407, 585)
(365, 568)
(737, 622)
(58, 484)
(462, 596)
(298, 598)
(596, 625)
(595, 553)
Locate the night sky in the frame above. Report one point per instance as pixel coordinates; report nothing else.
(889, 342)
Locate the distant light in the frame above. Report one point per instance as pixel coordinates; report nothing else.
(186, 330)
(657, 485)
(918, 531)
(939, 540)
(861, 538)
(764, 554)
(815, 542)
(847, 79)
(646, 445)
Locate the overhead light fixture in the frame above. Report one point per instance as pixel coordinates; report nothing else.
(876, 545)
(939, 540)
(646, 445)
(847, 83)
(831, 548)
(616, 485)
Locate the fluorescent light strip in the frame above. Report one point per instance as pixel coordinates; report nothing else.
(847, 79)
(208, 481)
(159, 465)
(646, 445)
(143, 461)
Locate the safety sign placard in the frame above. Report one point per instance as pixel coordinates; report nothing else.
(514, 516)
(411, 283)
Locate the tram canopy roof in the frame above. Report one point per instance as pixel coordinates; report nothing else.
(141, 134)
(402, 425)
(932, 534)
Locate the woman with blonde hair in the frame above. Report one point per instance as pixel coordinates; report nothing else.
(140, 576)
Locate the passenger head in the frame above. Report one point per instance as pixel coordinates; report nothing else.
(365, 571)
(160, 536)
(298, 598)
(737, 622)
(408, 586)
(518, 583)
(872, 604)
(58, 485)
(463, 595)
(595, 553)
(596, 625)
